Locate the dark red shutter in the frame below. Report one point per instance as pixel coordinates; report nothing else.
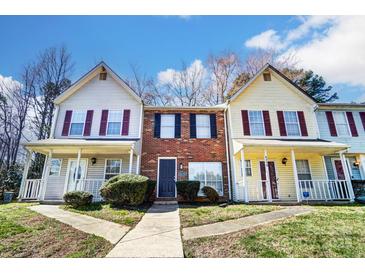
(331, 123)
(352, 124)
(303, 125)
(88, 122)
(362, 117)
(103, 122)
(126, 117)
(245, 122)
(267, 123)
(281, 121)
(67, 123)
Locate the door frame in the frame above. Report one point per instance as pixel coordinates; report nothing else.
(68, 170)
(158, 174)
(276, 175)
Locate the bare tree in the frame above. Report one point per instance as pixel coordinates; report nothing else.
(223, 69)
(186, 85)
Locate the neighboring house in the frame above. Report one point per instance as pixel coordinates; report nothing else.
(185, 143)
(344, 123)
(96, 133)
(276, 153)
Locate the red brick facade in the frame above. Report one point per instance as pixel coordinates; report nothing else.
(184, 149)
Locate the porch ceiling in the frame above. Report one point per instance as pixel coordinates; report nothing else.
(286, 145)
(70, 146)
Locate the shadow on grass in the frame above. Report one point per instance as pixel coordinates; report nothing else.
(99, 206)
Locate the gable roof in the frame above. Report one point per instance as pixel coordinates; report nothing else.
(280, 74)
(91, 74)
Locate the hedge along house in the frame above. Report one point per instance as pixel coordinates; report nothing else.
(185, 143)
(344, 123)
(275, 150)
(96, 134)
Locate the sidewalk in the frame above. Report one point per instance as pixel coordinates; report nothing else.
(108, 230)
(157, 235)
(242, 223)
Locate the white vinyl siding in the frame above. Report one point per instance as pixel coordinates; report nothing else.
(203, 126)
(167, 126)
(114, 122)
(256, 120)
(292, 123)
(208, 173)
(342, 126)
(112, 167)
(77, 123)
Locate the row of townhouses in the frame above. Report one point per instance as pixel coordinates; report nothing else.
(269, 142)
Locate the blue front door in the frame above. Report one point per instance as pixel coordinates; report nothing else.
(166, 178)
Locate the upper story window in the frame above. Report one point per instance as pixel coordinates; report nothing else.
(77, 123)
(203, 126)
(114, 122)
(341, 123)
(167, 126)
(256, 121)
(292, 123)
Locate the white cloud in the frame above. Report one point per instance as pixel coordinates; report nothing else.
(170, 75)
(265, 40)
(332, 46)
(8, 84)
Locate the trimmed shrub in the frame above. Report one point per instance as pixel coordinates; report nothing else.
(78, 198)
(125, 189)
(188, 189)
(211, 194)
(151, 186)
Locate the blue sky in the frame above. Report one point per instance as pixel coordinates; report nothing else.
(157, 43)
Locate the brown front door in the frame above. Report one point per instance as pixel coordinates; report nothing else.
(273, 180)
(339, 170)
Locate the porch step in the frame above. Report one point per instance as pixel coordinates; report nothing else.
(165, 201)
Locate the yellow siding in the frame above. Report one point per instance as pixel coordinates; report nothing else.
(284, 173)
(272, 95)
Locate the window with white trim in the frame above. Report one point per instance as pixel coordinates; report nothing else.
(256, 120)
(167, 126)
(247, 167)
(342, 126)
(77, 123)
(304, 173)
(55, 168)
(112, 167)
(203, 126)
(114, 122)
(208, 173)
(291, 123)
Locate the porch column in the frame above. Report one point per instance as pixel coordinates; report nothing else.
(77, 166)
(347, 176)
(267, 173)
(362, 165)
(130, 160)
(25, 173)
(296, 179)
(244, 177)
(138, 164)
(46, 169)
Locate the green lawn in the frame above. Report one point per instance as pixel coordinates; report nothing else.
(195, 214)
(25, 233)
(127, 215)
(329, 231)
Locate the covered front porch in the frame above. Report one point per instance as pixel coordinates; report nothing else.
(77, 165)
(267, 170)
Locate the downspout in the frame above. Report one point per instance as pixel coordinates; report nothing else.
(139, 159)
(227, 154)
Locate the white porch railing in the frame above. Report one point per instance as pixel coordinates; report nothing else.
(319, 190)
(92, 186)
(256, 192)
(32, 189)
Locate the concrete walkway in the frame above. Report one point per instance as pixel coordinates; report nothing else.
(242, 223)
(108, 230)
(157, 235)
